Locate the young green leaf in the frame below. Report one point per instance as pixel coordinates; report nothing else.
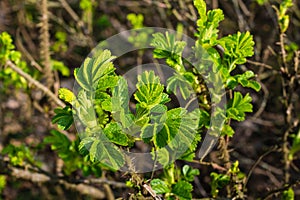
(227, 130)
(167, 47)
(288, 194)
(243, 79)
(189, 173)
(295, 146)
(208, 24)
(60, 66)
(119, 103)
(183, 189)
(66, 95)
(218, 181)
(177, 133)
(238, 106)
(93, 69)
(107, 82)
(179, 82)
(85, 109)
(236, 48)
(160, 186)
(149, 90)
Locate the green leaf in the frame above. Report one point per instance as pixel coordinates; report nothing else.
(119, 103)
(167, 47)
(149, 90)
(183, 189)
(159, 186)
(204, 120)
(236, 48)
(243, 79)
(136, 20)
(6, 46)
(283, 18)
(102, 150)
(177, 133)
(60, 143)
(218, 181)
(178, 81)
(189, 173)
(162, 156)
(63, 118)
(85, 110)
(107, 82)
(238, 106)
(2, 183)
(114, 133)
(288, 194)
(208, 24)
(93, 69)
(227, 130)
(60, 66)
(66, 95)
(295, 146)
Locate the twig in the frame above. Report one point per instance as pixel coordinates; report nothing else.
(84, 189)
(263, 103)
(26, 53)
(102, 181)
(255, 165)
(212, 164)
(31, 80)
(241, 21)
(259, 64)
(271, 193)
(37, 175)
(72, 13)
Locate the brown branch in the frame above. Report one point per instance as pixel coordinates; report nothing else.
(256, 163)
(37, 175)
(259, 64)
(31, 80)
(26, 53)
(105, 181)
(72, 13)
(42, 178)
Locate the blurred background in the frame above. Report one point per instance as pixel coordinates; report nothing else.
(75, 27)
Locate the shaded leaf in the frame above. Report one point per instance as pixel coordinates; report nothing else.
(183, 189)
(63, 118)
(60, 143)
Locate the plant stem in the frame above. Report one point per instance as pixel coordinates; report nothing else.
(286, 93)
(45, 45)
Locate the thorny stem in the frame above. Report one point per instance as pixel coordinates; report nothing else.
(287, 108)
(223, 147)
(45, 45)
